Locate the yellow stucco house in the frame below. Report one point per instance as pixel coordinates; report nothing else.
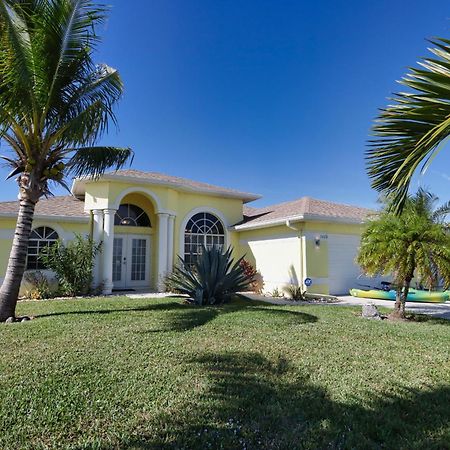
(146, 219)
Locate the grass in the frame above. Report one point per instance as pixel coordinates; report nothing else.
(134, 374)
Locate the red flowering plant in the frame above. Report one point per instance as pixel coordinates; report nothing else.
(256, 283)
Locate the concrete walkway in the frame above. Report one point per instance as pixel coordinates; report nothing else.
(438, 310)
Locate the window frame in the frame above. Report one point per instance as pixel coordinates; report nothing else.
(201, 236)
(42, 238)
(133, 221)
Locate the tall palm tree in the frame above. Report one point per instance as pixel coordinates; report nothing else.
(415, 242)
(409, 132)
(54, 105)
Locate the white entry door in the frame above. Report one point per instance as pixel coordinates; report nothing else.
(131, 261)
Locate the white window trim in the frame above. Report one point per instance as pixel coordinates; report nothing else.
(35, 226)
(202, 209)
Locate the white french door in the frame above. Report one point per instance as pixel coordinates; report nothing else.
(131, 261)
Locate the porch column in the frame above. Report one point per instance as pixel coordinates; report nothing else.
(170, 239)
(97, 234)
(162, 248)
(108, 244)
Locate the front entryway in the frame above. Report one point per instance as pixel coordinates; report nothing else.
(131, 261)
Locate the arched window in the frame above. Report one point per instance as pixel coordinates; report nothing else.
(40, 238)
(202, 229)
(131, 216)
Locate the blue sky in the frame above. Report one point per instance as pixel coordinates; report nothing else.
(272, 97)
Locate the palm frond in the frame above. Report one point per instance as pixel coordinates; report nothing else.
(70, 34)
(86, 112)
(20, 76)
(442, 212)
(410, 132)
(94, 161)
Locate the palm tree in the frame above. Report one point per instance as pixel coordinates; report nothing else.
(415, 242)
(54, 105)
(409, 132)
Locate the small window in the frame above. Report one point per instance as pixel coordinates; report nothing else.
(131, 216)
(40, 238)
(202, 229)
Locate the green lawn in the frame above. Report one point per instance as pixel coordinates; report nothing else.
(121, 373)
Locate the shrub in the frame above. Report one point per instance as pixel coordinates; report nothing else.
(276, 293)
(256, 283)
(212, 279)
(39, 286)
(73, 264)
(294, 292)
(169, 285)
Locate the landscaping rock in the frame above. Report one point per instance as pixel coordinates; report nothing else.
(370, 311)
(10, 320)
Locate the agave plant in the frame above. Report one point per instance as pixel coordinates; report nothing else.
(212, 279)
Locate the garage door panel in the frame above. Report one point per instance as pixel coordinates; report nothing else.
(343, 272)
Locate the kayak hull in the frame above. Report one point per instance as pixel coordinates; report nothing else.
(413, 295)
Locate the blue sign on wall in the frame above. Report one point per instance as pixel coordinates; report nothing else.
(308, 282)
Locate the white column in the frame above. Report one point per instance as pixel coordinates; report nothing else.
(97, 235)
(108, 243)
(162, 248)
(170, 238)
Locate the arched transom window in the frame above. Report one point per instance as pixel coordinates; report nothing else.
(131, 216)
(40, 238)
(202, 229)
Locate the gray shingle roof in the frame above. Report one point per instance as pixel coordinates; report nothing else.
(65, 205)
(305, 206)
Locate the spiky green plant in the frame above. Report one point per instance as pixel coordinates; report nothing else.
(413, 243)
(213, 278)
(409, 132)
(55, 102)
(294, 291)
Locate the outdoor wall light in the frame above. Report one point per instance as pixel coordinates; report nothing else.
(317, 241)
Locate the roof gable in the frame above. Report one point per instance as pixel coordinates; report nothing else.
(303, 208)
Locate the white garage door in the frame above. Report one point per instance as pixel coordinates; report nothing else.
(342, 269)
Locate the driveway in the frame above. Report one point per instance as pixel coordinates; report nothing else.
(438, 310)
(441, 310)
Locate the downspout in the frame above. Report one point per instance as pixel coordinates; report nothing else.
(302, 238)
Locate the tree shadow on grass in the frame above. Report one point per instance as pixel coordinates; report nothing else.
(253, 403)
(184, 316)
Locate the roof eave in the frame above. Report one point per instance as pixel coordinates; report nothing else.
(299, 218)
(79, 187)
(79, 219)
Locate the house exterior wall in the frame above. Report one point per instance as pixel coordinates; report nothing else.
(161, 200)
(102, 195)
(276, 254)
(283, 254)
(273, 250)
(317, 256)
(66, 232)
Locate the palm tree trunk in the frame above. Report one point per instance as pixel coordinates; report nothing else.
(405, 296)
(398, 302)
(9, 291)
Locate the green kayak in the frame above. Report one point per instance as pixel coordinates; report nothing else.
(414, 295)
